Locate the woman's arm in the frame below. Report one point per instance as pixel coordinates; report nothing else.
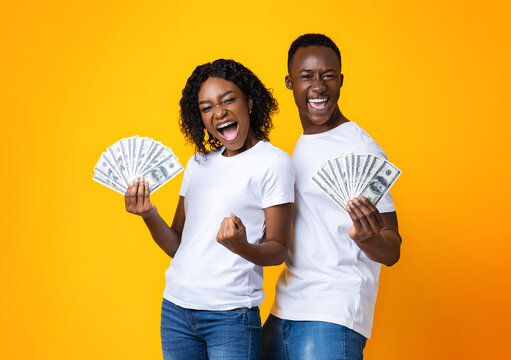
(376, 234)
(273, 250)
(138, 202)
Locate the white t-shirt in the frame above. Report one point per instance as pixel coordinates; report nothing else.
(205, 275)
(327, 276)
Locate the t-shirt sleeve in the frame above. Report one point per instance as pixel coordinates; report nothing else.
(386, 204)
(278, 181)
(187, 175)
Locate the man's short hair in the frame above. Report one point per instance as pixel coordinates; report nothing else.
(311, 40)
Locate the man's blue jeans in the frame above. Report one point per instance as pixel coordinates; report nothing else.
(309, 340)
(202, 334)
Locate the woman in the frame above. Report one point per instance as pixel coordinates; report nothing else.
(233, 216)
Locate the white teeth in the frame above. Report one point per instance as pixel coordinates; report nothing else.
(317, 100)
(225, 124)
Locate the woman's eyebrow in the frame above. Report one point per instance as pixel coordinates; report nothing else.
(226, 93)
(221, 96)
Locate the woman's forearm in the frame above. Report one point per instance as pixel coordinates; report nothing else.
(167, 238)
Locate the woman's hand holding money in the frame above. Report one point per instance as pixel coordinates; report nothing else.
(375, 233)
(137, 198)
(138, 203)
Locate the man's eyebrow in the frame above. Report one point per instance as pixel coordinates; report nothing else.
(310, 70)
(221, 96)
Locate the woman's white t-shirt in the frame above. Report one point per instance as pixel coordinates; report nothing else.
(203, 274)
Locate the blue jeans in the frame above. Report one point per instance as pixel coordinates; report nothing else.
(202, 334)
(309, 340)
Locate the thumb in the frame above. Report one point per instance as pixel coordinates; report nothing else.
(237, 221)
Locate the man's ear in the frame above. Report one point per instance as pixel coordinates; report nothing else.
(341, 80)
(289, 83)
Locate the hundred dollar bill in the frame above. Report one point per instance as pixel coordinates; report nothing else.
(105, 170)
(160, 174)
(343, 175)
(329, 181)
(375, 164)
(162, 154)
(328, 191)
(359, 165)
(145, 145)
(330, 165)
(381, 182)
(116, 152)
(109, 158)
(104, 181)
(134, 153)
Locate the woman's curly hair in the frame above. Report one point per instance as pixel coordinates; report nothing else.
(264, 104)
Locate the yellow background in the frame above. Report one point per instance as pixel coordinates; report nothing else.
(82, 279)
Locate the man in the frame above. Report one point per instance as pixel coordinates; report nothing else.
(325, 297)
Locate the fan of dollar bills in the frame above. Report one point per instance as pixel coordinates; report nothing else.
(130, 158)
(354, 175)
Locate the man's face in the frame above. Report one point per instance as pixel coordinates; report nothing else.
(315, 78)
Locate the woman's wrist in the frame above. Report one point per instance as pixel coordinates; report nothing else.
(149, 214)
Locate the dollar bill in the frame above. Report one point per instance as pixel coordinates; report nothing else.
(347, 176)
(133, 157)
(160, 174)
(380, 183)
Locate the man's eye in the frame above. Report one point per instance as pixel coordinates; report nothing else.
(306, 76)
(329, 76)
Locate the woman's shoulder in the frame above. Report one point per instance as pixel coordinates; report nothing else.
(273, 151)
(275, 159)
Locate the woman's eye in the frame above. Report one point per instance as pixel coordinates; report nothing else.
(206, 109)
(229, 100)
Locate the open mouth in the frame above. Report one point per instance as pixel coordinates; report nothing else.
(317, 103)
(228, 130)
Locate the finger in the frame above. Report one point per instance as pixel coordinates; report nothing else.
(237, 221)
(131, 194)
(126, 196)
(140, 193)
(376, 213)
(147, 201)
(364, 223)
(373, 225)
(221, 232)
(353, 216)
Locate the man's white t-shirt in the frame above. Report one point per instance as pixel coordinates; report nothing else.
(203, 274)
(327, 276)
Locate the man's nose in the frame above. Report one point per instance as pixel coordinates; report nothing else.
(318, 85)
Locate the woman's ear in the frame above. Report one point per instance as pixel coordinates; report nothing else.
(250, 104)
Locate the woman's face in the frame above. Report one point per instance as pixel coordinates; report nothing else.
(225, 114)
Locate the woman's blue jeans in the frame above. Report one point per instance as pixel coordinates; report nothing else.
(309, 340)
(202, 334)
